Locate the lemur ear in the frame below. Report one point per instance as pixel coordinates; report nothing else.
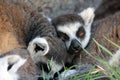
(14, 63)
(38, 46)
(88, 15)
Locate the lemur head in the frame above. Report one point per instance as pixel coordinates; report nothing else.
(48, 49)
(74, 29)
(17, 65)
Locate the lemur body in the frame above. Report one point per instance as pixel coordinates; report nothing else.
(18, 65)
(108, 27)
(21, 25)
(12, 23)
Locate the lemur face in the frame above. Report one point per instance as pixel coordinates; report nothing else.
(74, 29)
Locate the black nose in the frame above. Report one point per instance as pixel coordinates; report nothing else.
(75, 46)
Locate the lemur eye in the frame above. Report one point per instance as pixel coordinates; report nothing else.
(81, 32)
(63, 36)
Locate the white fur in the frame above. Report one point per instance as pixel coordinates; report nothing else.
(39, 56)
(48, 18)
(55, 67)
(71, 28)
(88, 15)
(67, 73)
(115, 60)
(38, 40)
(17, 65)
(12, 73)
(86, 39)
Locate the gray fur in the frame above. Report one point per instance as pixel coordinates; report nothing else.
(27, 71)
(67, 18)
(70, 26)
(27, 24)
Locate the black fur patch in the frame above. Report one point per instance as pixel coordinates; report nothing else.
(67, 18)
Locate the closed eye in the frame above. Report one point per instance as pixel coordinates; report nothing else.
(63, 36)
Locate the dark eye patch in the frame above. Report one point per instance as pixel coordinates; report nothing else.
(62, 36)
(81, 32)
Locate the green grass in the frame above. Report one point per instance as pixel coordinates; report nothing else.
(93, 74)
(111, 72)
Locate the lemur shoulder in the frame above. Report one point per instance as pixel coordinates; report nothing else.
(21, 25)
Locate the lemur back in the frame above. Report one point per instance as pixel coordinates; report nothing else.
(21, 25)
(12, 23)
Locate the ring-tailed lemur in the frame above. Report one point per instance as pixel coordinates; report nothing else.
(44, 45)
(21, 25)
(75, 29)
(17, 65)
